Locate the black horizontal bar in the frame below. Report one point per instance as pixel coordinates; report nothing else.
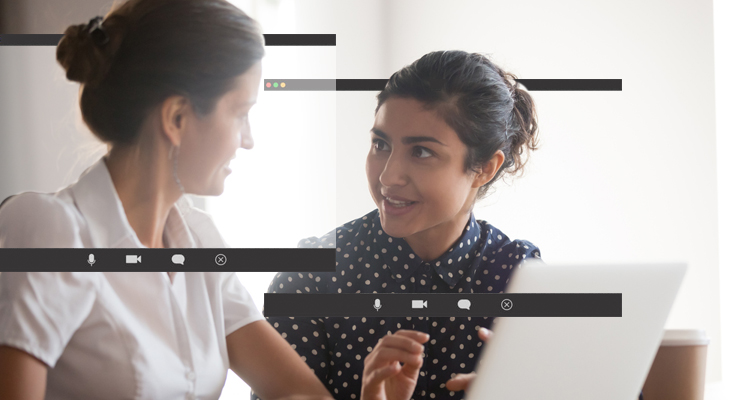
(572, 84)
(360, 84)
(157, 260)
(37, 39)
(530, 84)
(443, 305)
(300, 39)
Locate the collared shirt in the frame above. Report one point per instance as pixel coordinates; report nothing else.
(89, 214)
(370, 261)
(129, 335)
(126, 335)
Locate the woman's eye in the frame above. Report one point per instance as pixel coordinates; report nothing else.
(421, 152)
(380, 145)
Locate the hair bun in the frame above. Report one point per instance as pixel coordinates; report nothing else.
(84, 59)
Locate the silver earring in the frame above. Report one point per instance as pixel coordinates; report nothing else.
(176, 151)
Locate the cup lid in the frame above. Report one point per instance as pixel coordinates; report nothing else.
(684, 337)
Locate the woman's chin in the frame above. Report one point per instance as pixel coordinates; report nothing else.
(394, 229)
(216, 191)
(212, 190)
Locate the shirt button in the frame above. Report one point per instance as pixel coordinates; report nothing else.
(191, 375)
(425, 268)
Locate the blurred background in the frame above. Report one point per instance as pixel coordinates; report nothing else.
(654, 173)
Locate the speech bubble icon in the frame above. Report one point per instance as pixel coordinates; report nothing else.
(178, 259)
(464, 304)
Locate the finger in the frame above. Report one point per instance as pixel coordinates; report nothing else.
(460, 382)
(387, 355)
(381, 374)
(418, 336)
(411, 369)
(401, 342)
(376, 377)
(485, 334)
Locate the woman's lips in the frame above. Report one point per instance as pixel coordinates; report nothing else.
(397, 206)
(226, 166)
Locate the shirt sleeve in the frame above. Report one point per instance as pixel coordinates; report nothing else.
(306, 335)
(238, 306)
(32, 220)
(525, 250)
(40, 311)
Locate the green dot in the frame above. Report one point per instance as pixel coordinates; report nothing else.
(276, 84)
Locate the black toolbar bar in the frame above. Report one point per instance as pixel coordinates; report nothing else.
(443, 305)
(157, 260)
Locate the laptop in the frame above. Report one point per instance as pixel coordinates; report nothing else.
(579, 358)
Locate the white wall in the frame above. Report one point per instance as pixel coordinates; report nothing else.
(44, 144)
(621, 176)
(733, 140)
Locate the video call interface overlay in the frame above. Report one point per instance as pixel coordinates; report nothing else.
(175, 259)
(230, 259)
(443, 305)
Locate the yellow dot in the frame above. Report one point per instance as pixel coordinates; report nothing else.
(283, 84)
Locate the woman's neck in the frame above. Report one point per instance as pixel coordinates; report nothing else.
(434, 242)
(144, 182)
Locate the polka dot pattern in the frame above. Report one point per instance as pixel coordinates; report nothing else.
(370, 261)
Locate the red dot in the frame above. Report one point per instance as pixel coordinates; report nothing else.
(268, 84)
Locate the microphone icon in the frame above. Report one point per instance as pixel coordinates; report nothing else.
(377, 305)
(91, 260)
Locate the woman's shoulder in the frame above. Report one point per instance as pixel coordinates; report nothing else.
(501, 244)
(40, 220)
(56, 292)
(317, 282)
(50, 201)
(344, 233)
(40, 311)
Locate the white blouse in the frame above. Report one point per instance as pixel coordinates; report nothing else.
(126, 335)
(89, 214)
(117, 335)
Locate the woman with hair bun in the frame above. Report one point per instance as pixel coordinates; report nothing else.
(446, 128)
(167, 84)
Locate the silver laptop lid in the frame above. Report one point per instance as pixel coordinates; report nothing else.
(579, 358)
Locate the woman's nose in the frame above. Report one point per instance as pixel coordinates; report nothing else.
(394, 173)
(246, 139)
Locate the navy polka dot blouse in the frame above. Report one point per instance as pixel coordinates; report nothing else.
(370, 261)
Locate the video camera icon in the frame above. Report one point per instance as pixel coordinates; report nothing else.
(419, 304)
(132, 259)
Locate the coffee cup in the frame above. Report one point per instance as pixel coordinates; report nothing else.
(679, 368)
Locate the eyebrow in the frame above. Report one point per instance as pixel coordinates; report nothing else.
(409, 139)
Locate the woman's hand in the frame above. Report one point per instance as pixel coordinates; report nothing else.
(462, 381)
(384, 377)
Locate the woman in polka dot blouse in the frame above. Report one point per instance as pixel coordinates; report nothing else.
(446, 127)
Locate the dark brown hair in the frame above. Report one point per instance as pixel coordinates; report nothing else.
(145, 51)
(480, 101)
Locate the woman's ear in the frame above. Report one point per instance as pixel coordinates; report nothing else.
(174, 111)
(489, 169)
